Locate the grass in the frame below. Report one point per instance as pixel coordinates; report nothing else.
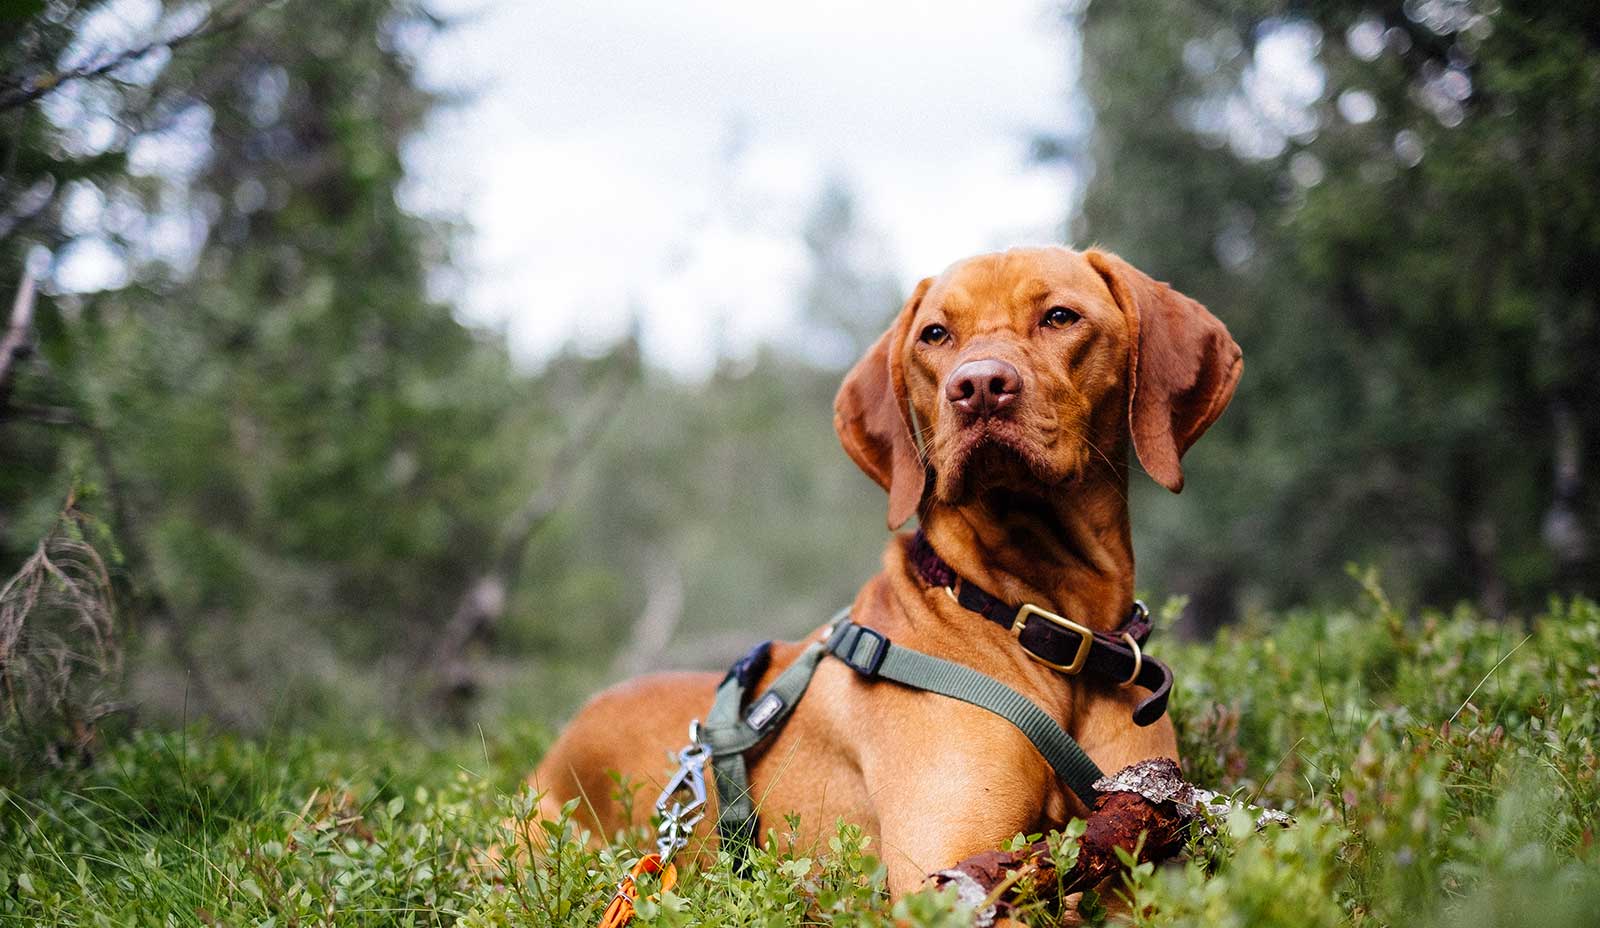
(1442, 768)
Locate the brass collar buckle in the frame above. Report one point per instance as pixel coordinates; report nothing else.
(1084, 632)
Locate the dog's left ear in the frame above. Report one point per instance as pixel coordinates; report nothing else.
(872, 419)
(1182, 367)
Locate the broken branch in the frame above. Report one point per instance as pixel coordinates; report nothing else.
(1145, 809)
(483, 603)
(14, 344)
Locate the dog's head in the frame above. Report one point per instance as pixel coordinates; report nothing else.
(1025, 369)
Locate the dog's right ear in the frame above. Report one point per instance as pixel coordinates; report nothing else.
(872, 418)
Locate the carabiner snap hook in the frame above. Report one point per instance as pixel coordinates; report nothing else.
(677, 817)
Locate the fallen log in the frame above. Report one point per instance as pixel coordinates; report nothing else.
(1146, 809)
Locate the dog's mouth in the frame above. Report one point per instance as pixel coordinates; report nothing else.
(992, 455)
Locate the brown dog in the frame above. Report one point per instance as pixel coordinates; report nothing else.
(1028, 373)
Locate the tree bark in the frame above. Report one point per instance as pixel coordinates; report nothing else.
(14, 344)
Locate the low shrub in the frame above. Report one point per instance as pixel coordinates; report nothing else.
(1442, 769)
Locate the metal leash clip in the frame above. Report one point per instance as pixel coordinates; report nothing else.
(678, 818)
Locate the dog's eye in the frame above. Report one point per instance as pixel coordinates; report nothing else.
(1059, 317)
(935, 335)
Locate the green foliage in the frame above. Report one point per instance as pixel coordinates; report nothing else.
(1406, 252)
(298, 400)
(1442, 771)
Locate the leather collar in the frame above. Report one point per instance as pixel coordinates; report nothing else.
(1057, 641)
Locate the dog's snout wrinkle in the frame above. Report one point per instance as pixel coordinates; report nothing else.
(984, 387)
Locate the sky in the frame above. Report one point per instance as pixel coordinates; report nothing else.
(638, 160)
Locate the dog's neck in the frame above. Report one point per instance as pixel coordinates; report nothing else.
(1070, 552)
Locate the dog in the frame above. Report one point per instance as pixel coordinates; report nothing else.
(999, 408)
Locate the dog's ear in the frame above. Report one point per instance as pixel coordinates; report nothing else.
(872, 418)
(1182, 367)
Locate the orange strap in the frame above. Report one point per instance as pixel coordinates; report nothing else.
(620, 911)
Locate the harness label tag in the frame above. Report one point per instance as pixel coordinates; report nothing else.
(765, 709)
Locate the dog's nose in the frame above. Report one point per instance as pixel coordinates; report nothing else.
(983, 387)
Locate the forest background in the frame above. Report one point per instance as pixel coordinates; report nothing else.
(311, 490)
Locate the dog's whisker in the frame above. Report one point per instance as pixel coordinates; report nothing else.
(921, 443)
(1109, 463)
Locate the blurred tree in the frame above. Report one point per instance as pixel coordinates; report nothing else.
(1393, 206)
(309, 456)
(42, 53)
(849, 297)
(82, 84)
(303, 353)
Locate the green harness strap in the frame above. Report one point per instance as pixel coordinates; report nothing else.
(872, 655)
(731, 729)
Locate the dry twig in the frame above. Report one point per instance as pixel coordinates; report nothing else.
(663, 610)
(59, 650)
(482, 605)
(22, 90)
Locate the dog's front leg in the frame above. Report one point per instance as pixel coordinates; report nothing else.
(937, 804)
(913, 850)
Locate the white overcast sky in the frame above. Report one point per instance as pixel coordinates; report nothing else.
(632, 157)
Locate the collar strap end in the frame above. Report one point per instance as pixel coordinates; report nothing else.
(1158, 677)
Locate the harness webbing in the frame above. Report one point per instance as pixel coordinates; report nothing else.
(731, 728)
(853, 643)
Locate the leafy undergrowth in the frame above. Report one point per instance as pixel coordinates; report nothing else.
(1442, 769)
